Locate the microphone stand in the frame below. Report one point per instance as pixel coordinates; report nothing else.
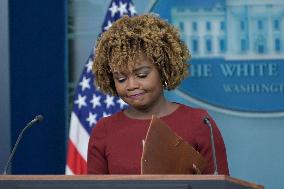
(37, 119)
(208, 123)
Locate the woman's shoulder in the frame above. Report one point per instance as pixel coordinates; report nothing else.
(192, 110)
(109, 120)
(190, 114)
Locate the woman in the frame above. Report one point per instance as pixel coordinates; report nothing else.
(136, 59)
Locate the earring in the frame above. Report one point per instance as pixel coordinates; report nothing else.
(165, 84)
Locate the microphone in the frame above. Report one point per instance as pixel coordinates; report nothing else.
(37, 119)
(207, 122)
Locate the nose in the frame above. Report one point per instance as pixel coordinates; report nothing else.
(132, 84)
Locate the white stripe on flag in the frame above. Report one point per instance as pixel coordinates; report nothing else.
(68, 171)
(79, 136)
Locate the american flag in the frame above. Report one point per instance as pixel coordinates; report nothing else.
(90, 105)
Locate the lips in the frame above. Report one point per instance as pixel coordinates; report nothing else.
(135, 96)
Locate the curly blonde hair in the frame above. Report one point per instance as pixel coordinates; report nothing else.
(123, 43)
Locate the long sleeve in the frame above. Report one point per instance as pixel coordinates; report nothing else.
(221, 154)
(97, 162)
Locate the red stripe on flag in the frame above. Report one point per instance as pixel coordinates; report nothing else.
(75, 161)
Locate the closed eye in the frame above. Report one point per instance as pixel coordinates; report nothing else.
(142, 75)
(121, 80)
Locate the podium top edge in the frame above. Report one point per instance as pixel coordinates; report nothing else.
(132, 177)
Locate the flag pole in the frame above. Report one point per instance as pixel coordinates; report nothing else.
(152, 5)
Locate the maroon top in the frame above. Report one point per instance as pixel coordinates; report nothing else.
(115, 145)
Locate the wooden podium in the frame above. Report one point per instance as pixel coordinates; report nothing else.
(124, 182)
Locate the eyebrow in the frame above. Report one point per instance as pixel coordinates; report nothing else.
(141, 68)
(134, 70)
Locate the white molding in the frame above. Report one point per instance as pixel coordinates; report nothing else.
(228, 111)
(5, 121)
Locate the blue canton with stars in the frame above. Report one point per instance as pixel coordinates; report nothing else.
(90, 105)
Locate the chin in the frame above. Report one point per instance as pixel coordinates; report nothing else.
(140, 106)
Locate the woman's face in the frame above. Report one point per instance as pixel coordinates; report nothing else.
(140, 86)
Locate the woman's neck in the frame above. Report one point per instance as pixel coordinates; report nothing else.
(161, 108)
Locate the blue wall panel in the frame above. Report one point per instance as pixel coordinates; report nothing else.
(38, 84)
